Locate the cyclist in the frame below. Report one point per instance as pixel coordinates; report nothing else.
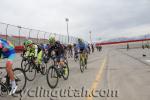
(92, 46)
(75, 51)
(70, 50)
(35, 51)
(65, 50)
(82, 47)
(25, 47)
(44, 48)
(89, 49)
(57, 47)
(7, 50)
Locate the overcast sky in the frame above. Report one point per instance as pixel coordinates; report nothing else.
(105, 18)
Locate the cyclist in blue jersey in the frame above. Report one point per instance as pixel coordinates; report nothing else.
(83, 49)
(81, 45)
(7, 50)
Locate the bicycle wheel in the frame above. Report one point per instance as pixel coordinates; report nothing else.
(23, 65)
(52, 77)
(3, 90)
(75, 58)
(85, 63)
(20, 78)
(31, 73)
(43, 68)
(65, 72)
(66, 60)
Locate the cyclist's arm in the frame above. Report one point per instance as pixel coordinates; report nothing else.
(27, 53)
(36, 51)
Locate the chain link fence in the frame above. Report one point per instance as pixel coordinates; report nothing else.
(18, 34)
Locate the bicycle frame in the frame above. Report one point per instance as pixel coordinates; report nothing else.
(7, 82)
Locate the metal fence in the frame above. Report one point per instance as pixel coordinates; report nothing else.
(18, 34)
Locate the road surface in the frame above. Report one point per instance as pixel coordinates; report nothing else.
(112, 74)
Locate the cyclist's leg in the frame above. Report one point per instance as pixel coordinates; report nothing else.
(85, 53)
(9, 64)
(61, 59)
(82, 55)
(64, 64)
(85, 56)
(9, 70)
(57, 59)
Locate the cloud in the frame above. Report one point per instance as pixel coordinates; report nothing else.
(105, 18)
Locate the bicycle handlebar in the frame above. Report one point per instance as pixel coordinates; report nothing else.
(2, 67)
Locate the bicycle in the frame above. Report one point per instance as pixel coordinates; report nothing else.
(24, 62)
(33, 68)
(20, 79)
(76, 57)
(83, 61)
(57, 71)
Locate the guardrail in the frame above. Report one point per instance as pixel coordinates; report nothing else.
(18, 34)
(129, 41)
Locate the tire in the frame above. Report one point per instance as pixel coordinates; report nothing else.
(66, 61)
(43, 68)
(20, 78)
(3, 90)
(81, 65)
(31, 73)
(23, 65)
(85, 63)
(75, 59)
(65, 77)
(52, 73)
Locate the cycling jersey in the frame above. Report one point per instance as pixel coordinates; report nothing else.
(35, 51)
(59, 51)
(82, 46)
(10, 52)
(32, 51)
(43, 47)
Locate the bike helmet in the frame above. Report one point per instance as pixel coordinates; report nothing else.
(79, 40)
(51, 40)
(28, 42)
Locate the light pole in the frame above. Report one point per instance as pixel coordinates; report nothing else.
(67, 20)
(19, 34)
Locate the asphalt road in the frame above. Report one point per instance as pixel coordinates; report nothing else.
(112, 74)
